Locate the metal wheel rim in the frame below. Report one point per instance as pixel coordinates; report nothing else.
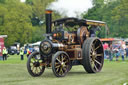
(35, 67)
(96, 55)
(62, 64)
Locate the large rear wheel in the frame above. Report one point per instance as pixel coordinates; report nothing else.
(33, 64)
(93, 55)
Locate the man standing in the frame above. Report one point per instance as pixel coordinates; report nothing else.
(4, 54)
(28, 52)
(126, 52)
(22, 54)
(122, 51)
(110, 52)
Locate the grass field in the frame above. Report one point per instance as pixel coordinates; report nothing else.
(14, 72)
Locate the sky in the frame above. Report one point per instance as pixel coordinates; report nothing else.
(22, 0)
(71, 8)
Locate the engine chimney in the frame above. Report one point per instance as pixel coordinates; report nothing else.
(48, 17)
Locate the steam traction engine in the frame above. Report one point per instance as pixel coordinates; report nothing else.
(69, 41)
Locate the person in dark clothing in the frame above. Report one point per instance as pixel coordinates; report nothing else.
(28, 53)
(117, 53)
(22, 54)
(4, 54)
(126, 52)
(93, 30)
(110, 52)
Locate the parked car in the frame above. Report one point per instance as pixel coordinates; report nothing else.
(12, 50)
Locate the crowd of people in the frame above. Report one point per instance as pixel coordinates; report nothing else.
(111, 51)
(115, 51)
(22, 52)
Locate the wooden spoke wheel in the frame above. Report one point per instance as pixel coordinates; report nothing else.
(60, 64)
(93, 55)
(33, 64)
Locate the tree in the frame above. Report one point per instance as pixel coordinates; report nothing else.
(38, 15)
(120, 18)
(114, 13)
(16, 22)
(22, 22)
(2, 1)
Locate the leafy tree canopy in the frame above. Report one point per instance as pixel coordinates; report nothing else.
(23, 22)
(114, 13)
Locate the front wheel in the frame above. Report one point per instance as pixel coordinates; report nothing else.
(60, 64)
(33, 64)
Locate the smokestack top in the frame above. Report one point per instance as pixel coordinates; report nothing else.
(48, 11)
(48, 16)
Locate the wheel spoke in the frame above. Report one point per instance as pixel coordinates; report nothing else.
(40, 61)
(92, 61)
(40, 68)
(57, 66)
(98, 62)
(64, 68)
(33, 59)
(95, 67)
(95, 42)
(57, 63)
(61, 71)
(32, 68)
(99, 54)
(98, 47)
(58, 60)
(64, 59)
(31, 64)
(93, 64)
(57, 69)
(36, 71)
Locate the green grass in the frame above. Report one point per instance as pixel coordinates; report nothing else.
(14, 72)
